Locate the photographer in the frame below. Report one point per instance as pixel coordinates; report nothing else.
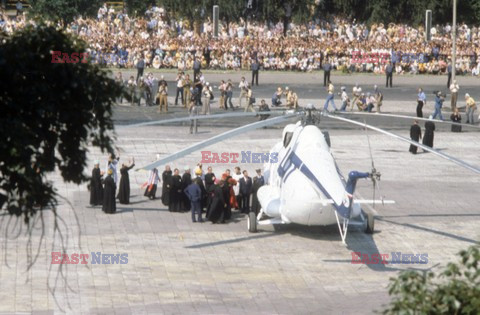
(438, 105)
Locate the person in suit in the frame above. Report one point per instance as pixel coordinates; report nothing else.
(196, 68)
(389, 74)
(194, 194)
(255, 67)
(258, 181)
(140, 67)
(327, 67)
(245, 190)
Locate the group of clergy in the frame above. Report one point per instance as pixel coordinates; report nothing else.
(103, 184)
(217, 197)
(416, 135)
(205, 192)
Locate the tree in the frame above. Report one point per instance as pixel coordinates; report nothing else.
(456, 290)
(64, 10)
(138, 7)
(51, 112)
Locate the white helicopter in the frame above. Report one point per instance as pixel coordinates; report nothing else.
(305, 186)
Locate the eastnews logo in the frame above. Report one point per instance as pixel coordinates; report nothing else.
(394, 258)
(59, 57)
(96, 258)
(231, 157)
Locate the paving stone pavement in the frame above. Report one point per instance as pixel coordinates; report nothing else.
(179, 267)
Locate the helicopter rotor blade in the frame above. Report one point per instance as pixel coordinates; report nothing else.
(218, 138)
(450, 158)
(408, 117)
(203, 117)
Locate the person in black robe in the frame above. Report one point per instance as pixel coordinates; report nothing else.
(226, 196)
(96, 189)
(109, 205)
(124, 188)
(429, 132)
(176, 193)
(209, 178)
(415, 135)
(217, 205)
(167, 184)
(258, 181)
(209, 181)
(186, 181)
(210, 194)
(456, 118)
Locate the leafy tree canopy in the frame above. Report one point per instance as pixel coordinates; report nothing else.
(369, 11)
(51, 112)
(64, 11)
(455, 290)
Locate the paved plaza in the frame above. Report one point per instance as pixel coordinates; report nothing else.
(179, 267)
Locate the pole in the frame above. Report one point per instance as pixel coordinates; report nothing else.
(216, 16)
(454, 39)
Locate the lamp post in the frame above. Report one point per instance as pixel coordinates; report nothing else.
(454, 40)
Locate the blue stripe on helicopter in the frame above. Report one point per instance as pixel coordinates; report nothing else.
(289, 172)
(297, 162)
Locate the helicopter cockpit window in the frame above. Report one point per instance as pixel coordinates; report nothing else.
(287, 139)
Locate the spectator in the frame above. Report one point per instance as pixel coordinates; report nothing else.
(330, 96)
(456, 118)
(243, 86)
(438, 106)
(470, 108)
(454, 90)
(277, 97)
(421, 101)
(345, 99)
(255, 68)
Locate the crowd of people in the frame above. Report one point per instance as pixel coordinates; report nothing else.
(199, 192)
(118, 40)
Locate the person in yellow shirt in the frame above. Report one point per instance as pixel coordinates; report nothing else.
(330, 96)
(471, 107)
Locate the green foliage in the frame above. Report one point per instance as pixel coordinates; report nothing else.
(64, 10)
(456, 290)
(137, 7)
(51, 112)
(370, 11)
